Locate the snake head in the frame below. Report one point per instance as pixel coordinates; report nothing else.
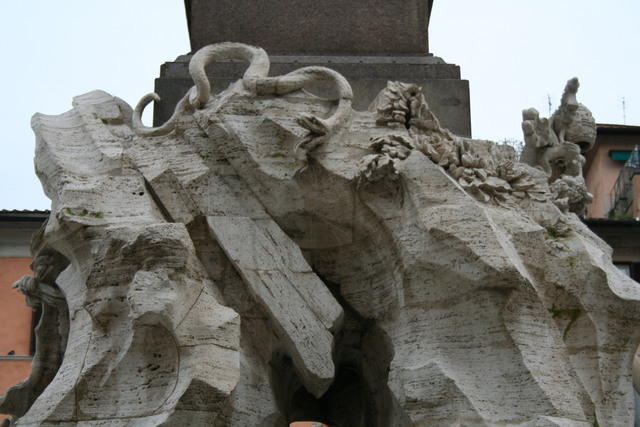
(315, 125)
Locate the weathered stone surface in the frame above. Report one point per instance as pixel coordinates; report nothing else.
(281, 281)
(313, 27)
(268, 256)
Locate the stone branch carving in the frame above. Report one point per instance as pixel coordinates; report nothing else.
(395, 274)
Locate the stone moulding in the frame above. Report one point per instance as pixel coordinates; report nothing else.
(269, 256)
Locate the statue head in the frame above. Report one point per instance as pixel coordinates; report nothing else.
(582, 129)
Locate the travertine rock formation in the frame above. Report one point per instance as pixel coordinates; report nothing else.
(269, 256)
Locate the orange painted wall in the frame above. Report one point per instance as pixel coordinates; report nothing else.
(12, 373)
(15, 323)
(15, 316)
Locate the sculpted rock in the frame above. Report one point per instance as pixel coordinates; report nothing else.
(269, 256)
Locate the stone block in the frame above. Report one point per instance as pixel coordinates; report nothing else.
(360, 27)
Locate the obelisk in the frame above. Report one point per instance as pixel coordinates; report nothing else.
(368, 41)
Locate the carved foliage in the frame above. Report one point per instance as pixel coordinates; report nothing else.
(488, 172)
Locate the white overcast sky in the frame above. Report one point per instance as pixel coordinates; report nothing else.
(513, 52)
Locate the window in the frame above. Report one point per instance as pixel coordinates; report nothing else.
(631, 269)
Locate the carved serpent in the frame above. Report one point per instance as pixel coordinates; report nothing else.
(257, 82)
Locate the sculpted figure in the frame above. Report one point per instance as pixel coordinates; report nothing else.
(556, 146)
(270, 256)
(565, 115)
(42, 294)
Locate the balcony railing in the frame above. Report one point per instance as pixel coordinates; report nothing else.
(14, 358)
(622, 193)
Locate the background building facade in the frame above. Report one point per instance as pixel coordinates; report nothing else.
(612, 174)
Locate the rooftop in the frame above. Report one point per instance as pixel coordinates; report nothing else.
(23, 215)
(610, 129)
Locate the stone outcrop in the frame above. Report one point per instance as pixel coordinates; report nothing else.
(268, 256)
